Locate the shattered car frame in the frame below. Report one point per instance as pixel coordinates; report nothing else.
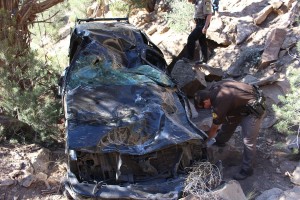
(128, 132)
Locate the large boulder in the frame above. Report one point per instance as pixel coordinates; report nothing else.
(272, 46)
(187, 79)
(230, 191)
(211, 73)
(249, 58)
(244, 30)
(272, 194)
(263, 14)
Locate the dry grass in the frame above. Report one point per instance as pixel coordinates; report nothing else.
(202, 179)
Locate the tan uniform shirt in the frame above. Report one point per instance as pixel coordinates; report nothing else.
(229, 98)
(203, 8)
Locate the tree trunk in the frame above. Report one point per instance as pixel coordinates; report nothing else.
(24, 13)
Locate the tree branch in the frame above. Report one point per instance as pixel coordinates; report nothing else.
(31, 8)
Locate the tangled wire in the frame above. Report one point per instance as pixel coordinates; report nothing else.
(203, 177)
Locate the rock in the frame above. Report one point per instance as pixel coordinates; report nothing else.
(229, 155)
(200, 76)
(272, 91)
(249, 79)
(281, 7)
(287, 166)
(211, 73)
(272, 194)
(164, 30)
(284, 85)
(289, 17)
(220, 38)
(28, 180)
(186, 78)
(7, 182)
(218, 32)
(216, 24)
(43, 177)
(230, 191)
(249, 57)
(152, 31)
(40, 160)
(192, 87)
(292, 142)
(268, 80)
(295, 178)
(243, 31)
(276, 4)
(272, 47)
(262, 15)
(291, 39)
(292, 194)
(223, 58)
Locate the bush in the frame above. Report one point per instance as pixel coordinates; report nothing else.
(122, 8)
(180, 16)
(119, 9)
(288, 113)
(27, 89)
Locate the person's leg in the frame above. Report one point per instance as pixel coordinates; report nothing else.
(190, 46)
(203, 45)
(250, 130)
(226, 131)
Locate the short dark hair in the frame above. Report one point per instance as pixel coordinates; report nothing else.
(199, 98)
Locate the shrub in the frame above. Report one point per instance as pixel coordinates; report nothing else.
(288, 113)
(180, 16)
(122, 8)
(27, 89)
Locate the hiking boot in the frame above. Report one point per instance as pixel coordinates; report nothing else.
(243, 174)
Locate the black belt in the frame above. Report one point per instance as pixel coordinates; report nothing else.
(199, 20)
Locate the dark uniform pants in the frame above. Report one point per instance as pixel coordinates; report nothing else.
(195, 35)
(250, 128)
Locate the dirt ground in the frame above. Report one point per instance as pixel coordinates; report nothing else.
(271, 167)
(273, 163)
(12, 159)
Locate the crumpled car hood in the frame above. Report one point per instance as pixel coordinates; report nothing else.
(132, 119)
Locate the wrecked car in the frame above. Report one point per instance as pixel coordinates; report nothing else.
(128, 128)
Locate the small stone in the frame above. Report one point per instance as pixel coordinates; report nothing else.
(7, 182)
(28, 180)
(278, 171)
